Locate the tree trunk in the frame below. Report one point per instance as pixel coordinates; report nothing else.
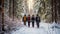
(13, 10)
(55, 11)
(52, 9)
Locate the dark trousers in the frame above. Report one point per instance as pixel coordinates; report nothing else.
(29, 24)
(37, 24)
(32, 24)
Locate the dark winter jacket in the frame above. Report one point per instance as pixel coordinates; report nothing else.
(33, 19)
(37, 19)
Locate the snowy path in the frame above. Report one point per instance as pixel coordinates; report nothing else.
(45, 28)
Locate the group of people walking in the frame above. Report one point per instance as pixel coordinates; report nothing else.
(31, 19)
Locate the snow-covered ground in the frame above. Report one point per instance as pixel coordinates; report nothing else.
(45, 28)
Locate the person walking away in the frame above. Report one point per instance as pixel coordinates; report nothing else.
(28, 20)
(24, 19)
(37, 20)
(33, 19)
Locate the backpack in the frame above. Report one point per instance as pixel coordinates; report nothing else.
(28, 18)
(24, 18)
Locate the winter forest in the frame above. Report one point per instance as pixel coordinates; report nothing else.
(13, 11)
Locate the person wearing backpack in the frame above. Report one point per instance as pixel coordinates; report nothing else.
(33, 19)
(24, 19)
(37, 20)
(28, 18)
